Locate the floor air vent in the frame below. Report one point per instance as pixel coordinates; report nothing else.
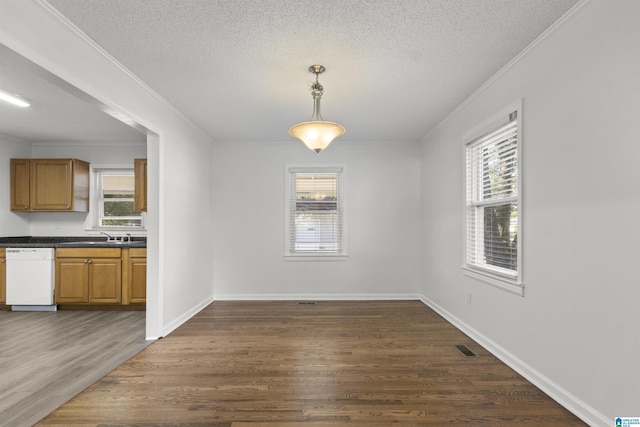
(307, 303)
(465, 350)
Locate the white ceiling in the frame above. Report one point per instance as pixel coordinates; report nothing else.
(238, 69)
(58, 113)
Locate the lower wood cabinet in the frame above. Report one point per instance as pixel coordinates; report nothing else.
(3, 276)
(101, 276)
(134, 276)
(88, 276)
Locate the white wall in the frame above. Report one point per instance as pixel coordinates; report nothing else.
(576, 332)
(179, 159)
(383, 223)
(11, 224)
(117, 153)
(113, 153)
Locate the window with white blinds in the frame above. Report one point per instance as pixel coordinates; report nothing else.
(315, 211)
(113, 200)
(493, 201)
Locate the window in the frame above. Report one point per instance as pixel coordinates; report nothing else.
(113, 200)
(315, 212)
(493, 202)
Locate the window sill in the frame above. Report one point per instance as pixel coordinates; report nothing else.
(315, 257)
(132, 231)
(505, 283)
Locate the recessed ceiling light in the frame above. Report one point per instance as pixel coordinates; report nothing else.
(13, 99)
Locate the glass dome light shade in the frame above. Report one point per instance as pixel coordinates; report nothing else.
(317, 135)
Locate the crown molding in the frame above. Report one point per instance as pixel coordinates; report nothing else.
(546, 33)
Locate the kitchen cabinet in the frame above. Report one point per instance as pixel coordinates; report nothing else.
(134, 276)
(3, 275)
(58, 185)
(88, 275)
(140, 185)
(20, 178)
(101, 276)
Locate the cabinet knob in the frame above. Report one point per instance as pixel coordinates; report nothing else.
(68, 206)
(25, 206)
(89, 261)
(86, 261)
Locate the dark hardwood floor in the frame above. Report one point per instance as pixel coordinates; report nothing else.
(333, 363)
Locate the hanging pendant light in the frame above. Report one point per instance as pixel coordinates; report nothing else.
(316, 133)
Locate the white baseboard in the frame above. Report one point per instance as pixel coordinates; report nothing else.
(315, 297)
(167, 329)
(573, 404)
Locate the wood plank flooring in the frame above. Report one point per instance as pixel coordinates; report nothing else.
(46, 358)
(335, 363)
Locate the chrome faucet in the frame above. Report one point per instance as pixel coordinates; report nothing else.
(128, 238)
(110, 238)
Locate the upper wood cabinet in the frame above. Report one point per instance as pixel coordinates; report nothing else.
(140, 189)
(20, 178)
(49, 185)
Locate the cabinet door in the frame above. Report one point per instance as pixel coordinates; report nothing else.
(138, 280)
(3, 276)
(140, 186)
(20, 187)
(72, 280)
(105, 280)
(51, 184)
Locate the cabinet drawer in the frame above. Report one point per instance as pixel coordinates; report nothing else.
(88, 252)
(138, 252)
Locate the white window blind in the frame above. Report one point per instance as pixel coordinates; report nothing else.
(492, 206)
(315, 211)
(114, 200)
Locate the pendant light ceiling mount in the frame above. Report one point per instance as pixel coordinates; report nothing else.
(317, 69)
(317, 133)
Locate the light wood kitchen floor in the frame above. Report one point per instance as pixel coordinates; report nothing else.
(334, 363)
(48, 357)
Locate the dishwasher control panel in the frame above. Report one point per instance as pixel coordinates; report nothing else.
(29, 253)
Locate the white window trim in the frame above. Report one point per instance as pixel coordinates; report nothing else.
(496, 277)
(91, 225)
(311, 168)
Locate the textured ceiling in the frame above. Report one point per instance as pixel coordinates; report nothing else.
(238, 68)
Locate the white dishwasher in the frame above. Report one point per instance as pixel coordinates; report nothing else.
(30, 279)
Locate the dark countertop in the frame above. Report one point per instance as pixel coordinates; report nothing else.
(69, 242)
